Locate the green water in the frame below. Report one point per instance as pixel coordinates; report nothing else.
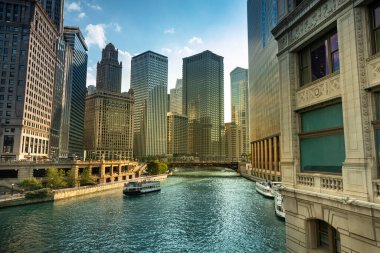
(196, 211)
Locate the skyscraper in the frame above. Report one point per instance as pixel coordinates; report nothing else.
(176, 97)
(232, 138)
(239, 106)
(177, 134)
(78, 72)
(149, 79)
(54, 8)
(27, 79)
(203, 103)
(108, 75)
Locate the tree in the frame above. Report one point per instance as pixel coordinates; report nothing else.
(155, 168)
(55, 178)
(71, 178)
(31, 184)
(86, 178)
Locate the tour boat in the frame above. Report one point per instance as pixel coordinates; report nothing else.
(137, 188)
(278, 204)
(265, 188)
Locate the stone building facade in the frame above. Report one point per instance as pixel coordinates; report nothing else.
(329, 72)
(177, 134)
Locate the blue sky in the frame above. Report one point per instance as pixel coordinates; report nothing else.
(175, 28)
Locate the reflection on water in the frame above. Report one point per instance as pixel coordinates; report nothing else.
(197, 210)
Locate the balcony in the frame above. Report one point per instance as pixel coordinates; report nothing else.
(322, 183)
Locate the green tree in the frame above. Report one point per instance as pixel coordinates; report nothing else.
(31, 184)
(155, 168)
(71, 178)
(86, 178)
(55, 178)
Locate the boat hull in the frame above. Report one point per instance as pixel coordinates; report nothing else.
(263, 190)
(140, 192)
(279, 205)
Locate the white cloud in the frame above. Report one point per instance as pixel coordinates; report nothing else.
(96, 35)
(74, 6)
(125, 57)
(195, 40)
(81, 15)
(186, 51)
(169, 31)
(94, 6)
(166, 50)
(115, 26)
(91, 75)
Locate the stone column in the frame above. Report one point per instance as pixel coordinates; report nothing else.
(102, 173)
(267, 176)
(270, 157)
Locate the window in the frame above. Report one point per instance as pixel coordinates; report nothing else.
(8, 144)
(8, 113)
(322, 140)
(9, 105)
(375, 10)
(319, 59)
(324, 237)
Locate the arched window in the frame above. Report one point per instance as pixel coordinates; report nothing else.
(323, 237)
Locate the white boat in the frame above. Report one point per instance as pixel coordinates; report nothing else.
(265, 188)
(137, 188)
(278, 204)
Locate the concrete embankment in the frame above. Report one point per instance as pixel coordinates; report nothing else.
(75, 192)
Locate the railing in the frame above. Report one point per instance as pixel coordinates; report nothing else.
(320, 182)
(376, 187)
(305, 179)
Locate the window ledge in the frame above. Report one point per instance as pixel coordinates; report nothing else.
(318, 80)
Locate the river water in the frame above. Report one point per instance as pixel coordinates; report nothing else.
(197, 210)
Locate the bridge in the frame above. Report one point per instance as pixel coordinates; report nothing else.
(230, 165)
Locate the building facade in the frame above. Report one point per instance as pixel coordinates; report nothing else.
(54, 8)
(109, 125)
(177, 134)
(239, 106)
(77, 87)
(149, 80)
(28, 41)
(176, 97)
(108, 73)
(329, 61)
(203, 103)
(263, 85)
(233, 137)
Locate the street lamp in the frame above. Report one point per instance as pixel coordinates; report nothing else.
(12, 189)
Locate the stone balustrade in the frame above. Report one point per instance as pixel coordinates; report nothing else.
(323, 183)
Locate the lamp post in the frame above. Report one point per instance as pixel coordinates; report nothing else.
(12, 189)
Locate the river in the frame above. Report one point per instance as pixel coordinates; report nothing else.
(197, 210)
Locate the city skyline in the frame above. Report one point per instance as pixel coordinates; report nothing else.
(164, 29)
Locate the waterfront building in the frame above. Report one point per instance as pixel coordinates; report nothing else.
(28, 42)
(233, 137)
(177, 134)
(54, 8)
(239, 106)
(108, 73)
(263, 85)
(77, 88)
(329, 61)
(149, 80)
(176, 97)
(203, 103)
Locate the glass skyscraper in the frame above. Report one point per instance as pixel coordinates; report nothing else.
(239, 106)
(78, 68)
(203, 103)
(149, 80)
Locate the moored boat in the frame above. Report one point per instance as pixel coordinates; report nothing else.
(137, 188)
(278, 204)
(265, 188)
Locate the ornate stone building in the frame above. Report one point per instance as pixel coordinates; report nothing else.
(329, 69)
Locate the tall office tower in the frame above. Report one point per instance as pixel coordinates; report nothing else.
(109, 125)
(108, 74)
(28, 39)
(54, 8)
(149, 80)
(239, 106)
(232, 138)
(78, 72)
(263, 83)
(177, 134)
(203, 103)
(91, 89)
(176, 97)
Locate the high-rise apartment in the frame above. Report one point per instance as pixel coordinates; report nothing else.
(28, 42)
(108, 74)
(149, 80)
(329, 65)
(77, 87)
(177, 134)
(203, 103)
(263, 86)
(176, 97)
(239, 106)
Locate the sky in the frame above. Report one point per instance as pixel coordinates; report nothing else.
(174, 28)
